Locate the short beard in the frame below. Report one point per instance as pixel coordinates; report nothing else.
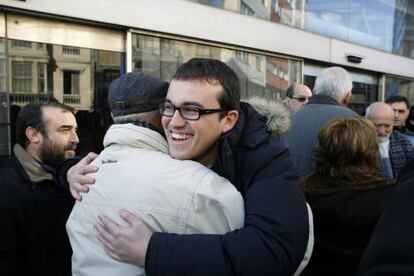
(51, 154)
(383, 139)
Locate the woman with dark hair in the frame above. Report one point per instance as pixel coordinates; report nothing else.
(346, 193)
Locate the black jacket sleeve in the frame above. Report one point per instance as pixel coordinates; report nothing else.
(391, 249)
(62, 169)
(272, 242)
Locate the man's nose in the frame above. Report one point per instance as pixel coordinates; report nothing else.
(74, 138)
(176, 119)
(396, 114)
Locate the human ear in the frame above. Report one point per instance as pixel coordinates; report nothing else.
(347, 99)
(228, 121)
(33, 135)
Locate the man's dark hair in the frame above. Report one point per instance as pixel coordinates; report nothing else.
(213, 71)
(397, 99)
(31, 116)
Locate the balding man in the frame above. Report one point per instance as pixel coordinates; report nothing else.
(395, 149)
(297, 95)
(332, 94)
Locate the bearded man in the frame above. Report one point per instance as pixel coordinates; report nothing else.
(33, 208)
(394, 148)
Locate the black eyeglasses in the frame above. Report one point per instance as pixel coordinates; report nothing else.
(300, 99)
(191, 113)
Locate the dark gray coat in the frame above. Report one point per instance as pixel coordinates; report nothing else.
(305, 127)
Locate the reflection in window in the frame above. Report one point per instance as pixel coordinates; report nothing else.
(398, 86)
(71, 82)
(163, 59)
(41, 77)
(41, 46)
(70, 51)
(381, 24)
(242, 56)
(203, 51)
(2, 75)
(246, 9)
(22, 77)
(259, 62)
(75, 76)
(21, 44)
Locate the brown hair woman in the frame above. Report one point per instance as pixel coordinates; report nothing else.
(346, 193)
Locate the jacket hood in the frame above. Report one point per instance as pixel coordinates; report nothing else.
(135, 136)
(276, 113)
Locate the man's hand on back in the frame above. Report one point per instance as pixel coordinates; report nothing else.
(76, 176)
(126, 244)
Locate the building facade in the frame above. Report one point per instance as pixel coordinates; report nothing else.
(71, 50)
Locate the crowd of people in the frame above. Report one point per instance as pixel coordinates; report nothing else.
(192, 180)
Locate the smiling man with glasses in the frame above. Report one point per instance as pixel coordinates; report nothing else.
(214, 128)
(297, 95)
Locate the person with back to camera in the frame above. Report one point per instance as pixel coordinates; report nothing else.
(347, 195)
(275, 235)
(136, 173)
(332, 94)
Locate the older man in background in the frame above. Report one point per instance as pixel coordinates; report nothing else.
(395, 149)
(332, 95)
(297, 95)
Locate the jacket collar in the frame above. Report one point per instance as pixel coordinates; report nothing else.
(322, 99)
(317, 184)
(33, 169)
(250, 129)
(135, 136)
(249, 132)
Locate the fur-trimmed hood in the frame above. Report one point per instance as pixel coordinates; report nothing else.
(277, 114)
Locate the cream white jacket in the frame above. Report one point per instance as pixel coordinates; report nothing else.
(137, 173)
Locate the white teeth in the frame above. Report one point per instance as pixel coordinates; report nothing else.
(180, 136)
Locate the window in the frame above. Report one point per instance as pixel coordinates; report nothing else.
(21, 76)
(70, 51)
(21, 43)
(242, 56)
(41, 74)
(71, 82)
(283, 74)
(41, 46)
(2, 75)
(259, 63)
(246, 10)
(272, 68)
(203, 51)
(276, 7)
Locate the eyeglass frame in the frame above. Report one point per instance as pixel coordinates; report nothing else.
(301, 99)
(200, 111)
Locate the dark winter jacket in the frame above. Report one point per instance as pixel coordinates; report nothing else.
(401, 152)
(344, 216)
(33, 214)
(275, 235)
(391, 249)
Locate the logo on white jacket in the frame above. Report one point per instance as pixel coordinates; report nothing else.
(109, 161)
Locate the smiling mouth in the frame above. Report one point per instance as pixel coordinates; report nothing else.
(180, 136)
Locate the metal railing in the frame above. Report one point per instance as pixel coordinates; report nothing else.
(71, 99)
(24, 98)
